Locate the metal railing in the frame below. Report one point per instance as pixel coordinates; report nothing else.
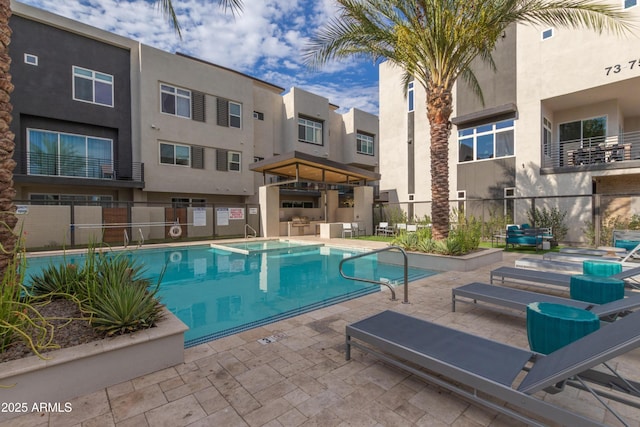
(379, 282)
(599, 151)
(248, 227)
(72, 166)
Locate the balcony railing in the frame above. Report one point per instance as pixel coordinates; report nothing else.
(41, 164)
(598, 151)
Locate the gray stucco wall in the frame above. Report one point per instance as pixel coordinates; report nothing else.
(43, 95)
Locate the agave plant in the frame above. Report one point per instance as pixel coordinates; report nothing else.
(119, 299)
(123, 307)
(56, 280)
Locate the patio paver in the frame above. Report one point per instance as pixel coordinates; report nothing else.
(303, 380)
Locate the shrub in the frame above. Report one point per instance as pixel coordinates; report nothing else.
(550, 218)
(19, 316)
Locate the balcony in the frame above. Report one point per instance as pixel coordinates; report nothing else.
(612, 152)
(31, 165)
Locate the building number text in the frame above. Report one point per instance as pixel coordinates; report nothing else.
(615, 69)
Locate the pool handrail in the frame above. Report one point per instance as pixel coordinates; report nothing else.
(378, 282)
(247, 226)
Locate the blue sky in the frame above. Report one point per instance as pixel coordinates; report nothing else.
(264, 41)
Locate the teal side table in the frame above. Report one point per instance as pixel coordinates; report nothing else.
(601, 268)
(596, 289)
(552, 326)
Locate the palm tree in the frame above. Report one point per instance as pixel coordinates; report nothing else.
(8, 220)
(435, 42)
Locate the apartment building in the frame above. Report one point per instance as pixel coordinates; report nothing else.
(99, 117)
(560, 117)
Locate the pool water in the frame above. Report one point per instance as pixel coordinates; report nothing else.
(254, 247)
(218, 293)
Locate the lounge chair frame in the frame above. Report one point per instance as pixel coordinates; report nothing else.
(518, 299)
(524, 276)
(483, 370)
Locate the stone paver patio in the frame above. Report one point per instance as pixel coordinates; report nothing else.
(302, 379)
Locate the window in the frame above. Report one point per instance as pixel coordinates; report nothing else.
(30, 59)
(235, 115)
(63, 154)
(92, 86)
(486, 141)
(56, 199)
(175, 101)
(546, 136)
(364, 144)
(410, 95)
(296, 204)
(233, 161)
(630, 3)
(509, 203)
(185, 202)
(258, 115)
(175, 154)
(547, 34)
(309, 131)
(589, 132)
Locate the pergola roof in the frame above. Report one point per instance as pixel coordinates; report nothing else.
(305, 167)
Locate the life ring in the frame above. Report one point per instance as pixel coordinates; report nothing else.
(175, 257)
(175, 231)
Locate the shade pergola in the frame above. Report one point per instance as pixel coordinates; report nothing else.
(297, 166)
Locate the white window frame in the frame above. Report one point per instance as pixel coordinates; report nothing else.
(238, 116)
(543, 32)
(175, 157)
(31, 59)
(474, 135)
(176, 92)
(231, 161)
(317, 128)
(94, 77)
(60, 159)
(547, 127)
(624, 4)
(365, 144)
(410, 97)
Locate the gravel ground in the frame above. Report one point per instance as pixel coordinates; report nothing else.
(65, 335)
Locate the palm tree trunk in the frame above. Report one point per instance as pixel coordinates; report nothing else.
(8, 219)
(439, 108)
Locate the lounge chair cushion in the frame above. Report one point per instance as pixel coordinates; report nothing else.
(601, 268)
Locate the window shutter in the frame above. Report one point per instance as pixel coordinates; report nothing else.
(198, 110)
(221, 160)
(197, 157)
(223, 112)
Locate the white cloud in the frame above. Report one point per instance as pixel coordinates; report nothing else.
(266, 40)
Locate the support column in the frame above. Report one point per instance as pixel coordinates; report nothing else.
(331, 205)
(362, 212)
(270, 211)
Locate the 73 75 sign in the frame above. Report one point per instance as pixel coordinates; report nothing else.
(615, 69)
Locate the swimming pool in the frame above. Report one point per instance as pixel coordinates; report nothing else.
(216, 292)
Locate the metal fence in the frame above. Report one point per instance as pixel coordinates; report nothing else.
(589, 219)
(57, 224)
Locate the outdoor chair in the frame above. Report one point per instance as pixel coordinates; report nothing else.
(519, 299)
(383, 229)
(524, 276)
(504, 378)
(347, 230)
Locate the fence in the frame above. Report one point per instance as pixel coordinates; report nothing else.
(70, 224)
(589, 219)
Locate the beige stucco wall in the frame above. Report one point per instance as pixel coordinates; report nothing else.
(159, 66)
(45, 226)
(298, 102)
(359, 121)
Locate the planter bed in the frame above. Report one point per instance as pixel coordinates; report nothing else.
(74, 371)
(477, 259)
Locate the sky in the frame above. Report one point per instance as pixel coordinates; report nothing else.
(264, 41)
